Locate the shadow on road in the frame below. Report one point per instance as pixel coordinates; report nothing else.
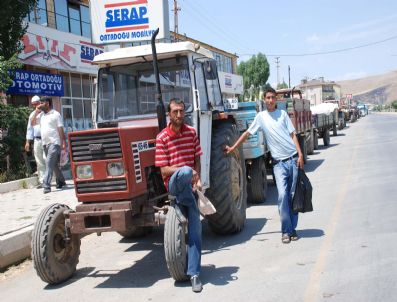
(310, 233)
(151, 267)
(322, 147)
(214, 275)
(313, 164)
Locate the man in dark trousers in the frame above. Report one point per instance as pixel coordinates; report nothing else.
(178, 154)
(53, 139)
(287, 157)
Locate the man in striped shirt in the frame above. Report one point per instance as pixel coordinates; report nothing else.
(178, 154)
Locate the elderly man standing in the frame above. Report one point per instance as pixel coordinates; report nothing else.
(33, 134)
(53, 139)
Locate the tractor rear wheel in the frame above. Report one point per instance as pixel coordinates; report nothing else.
(258, 185)
(326, 138)
(315, 140)
(227, 192)
(55, 258)
(175, 247)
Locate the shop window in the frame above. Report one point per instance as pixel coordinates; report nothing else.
(87, 83)
(76, 86)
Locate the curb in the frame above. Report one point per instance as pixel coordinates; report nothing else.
(18, 184)
(15, 246)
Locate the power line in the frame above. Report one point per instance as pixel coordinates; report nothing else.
(197, 11)
(328, 51)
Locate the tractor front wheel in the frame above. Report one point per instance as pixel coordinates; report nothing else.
(175, 247)
(55, 256)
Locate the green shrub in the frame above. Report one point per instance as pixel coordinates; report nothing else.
(13, 120)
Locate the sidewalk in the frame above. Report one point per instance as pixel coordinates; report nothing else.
(18, 212)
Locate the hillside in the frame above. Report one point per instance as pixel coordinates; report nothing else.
(379, 89)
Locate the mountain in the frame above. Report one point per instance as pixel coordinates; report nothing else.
(378, 89)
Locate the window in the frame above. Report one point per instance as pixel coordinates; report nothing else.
(77, 103)
(73, 18)
(61, 15)
(39, 14)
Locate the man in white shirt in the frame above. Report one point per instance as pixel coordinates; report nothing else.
(287, 158)
(33, 134)
(53, 139)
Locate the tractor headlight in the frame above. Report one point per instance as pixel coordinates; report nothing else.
(84, 171)
(115, 169)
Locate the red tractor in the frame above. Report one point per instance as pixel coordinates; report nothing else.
(118, 187)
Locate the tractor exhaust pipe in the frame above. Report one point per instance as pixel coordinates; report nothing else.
(161, 117)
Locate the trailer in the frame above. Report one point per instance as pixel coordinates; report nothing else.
(325, 119)
(298, 110)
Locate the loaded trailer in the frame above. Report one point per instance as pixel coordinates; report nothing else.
(298, 110)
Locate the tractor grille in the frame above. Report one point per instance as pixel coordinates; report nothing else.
(102, 186)
(96, 146)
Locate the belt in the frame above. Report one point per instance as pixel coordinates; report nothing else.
(276, 161)
(37, 137)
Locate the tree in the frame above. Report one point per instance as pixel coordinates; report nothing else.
(12, 29)
(394, 104)
(282, 85)
(255, 71)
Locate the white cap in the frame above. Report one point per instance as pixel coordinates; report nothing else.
(35, 99)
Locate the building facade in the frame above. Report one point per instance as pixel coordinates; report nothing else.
(319, 90)
(57, 58)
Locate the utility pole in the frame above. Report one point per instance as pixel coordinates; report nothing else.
(176, 9)
(278, 67)
(289, 76)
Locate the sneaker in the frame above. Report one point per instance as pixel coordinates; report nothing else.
(285, 238)
(294, 236)
(60, 185)
(196, 284)
(47, 190)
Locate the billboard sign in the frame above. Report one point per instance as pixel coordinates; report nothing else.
(31, 83)
(115, 21)
(45, 47)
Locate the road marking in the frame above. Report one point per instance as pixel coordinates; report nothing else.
(312, 289)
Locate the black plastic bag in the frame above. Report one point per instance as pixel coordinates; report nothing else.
(302, 201)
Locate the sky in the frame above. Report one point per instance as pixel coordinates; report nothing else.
(337, 40)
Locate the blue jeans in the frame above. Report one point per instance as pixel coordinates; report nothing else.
(286, 174)
(180, 186)
(53, 153)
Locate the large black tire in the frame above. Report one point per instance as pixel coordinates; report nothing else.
(326, 138)
(257, 185)
(334, 130)
(54, 259)
(303, 145)
(175, 247)
(136, 232)
(315, 140)
(310, 146)
(227, 191)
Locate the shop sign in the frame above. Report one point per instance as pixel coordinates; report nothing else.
(128, 21)
(35, 83)
(49, 48)
(230, 83)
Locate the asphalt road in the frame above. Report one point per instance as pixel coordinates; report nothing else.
(347, 250)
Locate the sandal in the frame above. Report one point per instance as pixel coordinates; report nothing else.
(285, 238)
(294, 236)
